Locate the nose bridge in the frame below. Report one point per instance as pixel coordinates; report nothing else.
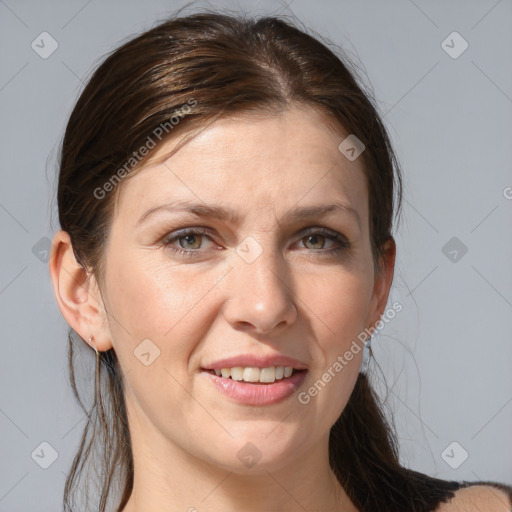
(260, 263)
(260, 292)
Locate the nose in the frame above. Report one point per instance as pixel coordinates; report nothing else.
(260, 299)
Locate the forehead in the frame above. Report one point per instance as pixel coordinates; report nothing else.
(253, 161)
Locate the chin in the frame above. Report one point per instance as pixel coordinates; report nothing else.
(258, 452)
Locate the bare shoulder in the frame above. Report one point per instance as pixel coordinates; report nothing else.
(478, 498)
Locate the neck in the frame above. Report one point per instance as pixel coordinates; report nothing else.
(165, 475)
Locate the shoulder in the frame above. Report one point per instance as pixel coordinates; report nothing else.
(479, 497)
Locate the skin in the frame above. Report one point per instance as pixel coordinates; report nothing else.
(293, 299)
(477, 498)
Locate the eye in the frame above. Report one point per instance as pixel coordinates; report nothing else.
(189, 241)
(193, 240)
(316, 239)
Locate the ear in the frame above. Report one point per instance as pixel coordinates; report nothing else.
(78, 294)
(382, 281)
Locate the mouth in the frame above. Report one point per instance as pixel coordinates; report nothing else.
(256, 375)
(255, 386)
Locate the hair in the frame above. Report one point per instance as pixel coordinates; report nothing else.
(194, 70)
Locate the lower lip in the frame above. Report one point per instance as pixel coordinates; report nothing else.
(258, 394)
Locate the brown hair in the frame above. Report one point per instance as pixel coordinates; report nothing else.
(196, 69)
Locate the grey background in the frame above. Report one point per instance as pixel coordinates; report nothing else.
(447, 355)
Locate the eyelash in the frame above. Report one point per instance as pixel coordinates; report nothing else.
(331, 235)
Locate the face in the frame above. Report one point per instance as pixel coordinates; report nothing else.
(274, 284)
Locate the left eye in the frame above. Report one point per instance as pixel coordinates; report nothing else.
(316, 237)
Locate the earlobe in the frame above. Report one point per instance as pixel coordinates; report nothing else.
(77, 293)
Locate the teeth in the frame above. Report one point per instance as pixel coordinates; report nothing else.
(254, 374)
(237, 373)
(268, 374)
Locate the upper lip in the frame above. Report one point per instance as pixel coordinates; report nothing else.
(246, 360)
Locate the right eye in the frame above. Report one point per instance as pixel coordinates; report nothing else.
(192, 238)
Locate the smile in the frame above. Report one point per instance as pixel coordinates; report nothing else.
(251, 387)
(268, 374)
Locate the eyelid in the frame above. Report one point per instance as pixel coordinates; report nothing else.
(323, 231)
(181, 232)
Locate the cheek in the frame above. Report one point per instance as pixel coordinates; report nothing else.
(340, 305)
(158, 317)
(150, 298)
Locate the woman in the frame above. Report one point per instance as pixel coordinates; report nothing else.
(226, 197)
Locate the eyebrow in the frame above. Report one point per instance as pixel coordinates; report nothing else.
(222, 213)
